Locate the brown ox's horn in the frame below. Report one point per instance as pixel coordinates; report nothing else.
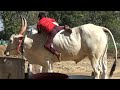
(24, 26)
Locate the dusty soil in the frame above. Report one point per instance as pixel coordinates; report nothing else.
(82, 68)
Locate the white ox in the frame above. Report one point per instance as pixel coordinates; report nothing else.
(79, 42)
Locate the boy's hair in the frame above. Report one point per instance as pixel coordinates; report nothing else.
(42, 14)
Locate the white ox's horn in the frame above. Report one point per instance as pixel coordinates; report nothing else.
(24, 26)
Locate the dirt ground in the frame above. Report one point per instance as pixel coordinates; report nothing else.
(83, 67)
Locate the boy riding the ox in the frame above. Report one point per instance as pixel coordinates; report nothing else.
(47, 24)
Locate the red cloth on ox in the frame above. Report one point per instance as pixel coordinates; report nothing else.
(19, 45)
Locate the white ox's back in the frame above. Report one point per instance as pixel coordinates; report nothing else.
(82, 39)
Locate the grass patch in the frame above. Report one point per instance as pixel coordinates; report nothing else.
(111, 47)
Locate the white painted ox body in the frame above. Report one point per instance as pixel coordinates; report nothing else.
(83, 41)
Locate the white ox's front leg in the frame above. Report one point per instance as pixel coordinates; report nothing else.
(47, 67)
(40, 69)
(30, 71)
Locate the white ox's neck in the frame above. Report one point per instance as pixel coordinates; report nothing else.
(35, 40)
(34, 48)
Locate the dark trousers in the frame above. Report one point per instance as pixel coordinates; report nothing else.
(49, 40)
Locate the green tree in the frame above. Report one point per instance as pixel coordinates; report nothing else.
(12, 21)
(109, 19)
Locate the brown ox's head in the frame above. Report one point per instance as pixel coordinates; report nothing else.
(15, 39)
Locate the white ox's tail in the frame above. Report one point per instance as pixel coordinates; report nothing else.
(114, 64)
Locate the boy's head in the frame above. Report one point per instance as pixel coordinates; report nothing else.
(41, 15)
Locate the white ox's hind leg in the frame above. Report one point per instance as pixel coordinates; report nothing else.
(104, 67)
(95, 66)
(103, 64)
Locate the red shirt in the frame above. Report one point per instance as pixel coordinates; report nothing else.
(46, 24)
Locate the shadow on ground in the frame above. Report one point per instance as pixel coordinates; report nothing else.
(58, 76)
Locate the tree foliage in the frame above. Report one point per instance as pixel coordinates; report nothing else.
(109, 19)
(12, 21)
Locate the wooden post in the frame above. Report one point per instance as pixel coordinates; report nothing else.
(12, 68)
